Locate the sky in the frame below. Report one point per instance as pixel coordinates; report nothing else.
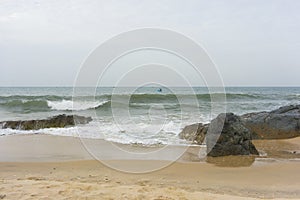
(252, 42)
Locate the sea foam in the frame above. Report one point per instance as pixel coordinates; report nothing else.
(74, 105)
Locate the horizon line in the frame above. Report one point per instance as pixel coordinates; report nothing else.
(33, 86)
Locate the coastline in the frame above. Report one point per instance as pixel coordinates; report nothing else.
(51, 148)
(77, 175)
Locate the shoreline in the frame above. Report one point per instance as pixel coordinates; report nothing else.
(59, 167)
(50, 148)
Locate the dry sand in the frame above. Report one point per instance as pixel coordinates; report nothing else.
(26, 178)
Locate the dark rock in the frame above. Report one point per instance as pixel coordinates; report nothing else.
(227, 135)
(236, 135)
(278, 124)
(194, 133)
(59, 121)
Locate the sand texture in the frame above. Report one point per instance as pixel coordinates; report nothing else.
(90, 179)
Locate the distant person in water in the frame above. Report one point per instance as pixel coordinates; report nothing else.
(159, 90)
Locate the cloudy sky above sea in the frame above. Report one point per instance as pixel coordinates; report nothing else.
(252, 42)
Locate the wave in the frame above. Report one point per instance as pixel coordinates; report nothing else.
(293, 97)
(74, 105)
(26, 104)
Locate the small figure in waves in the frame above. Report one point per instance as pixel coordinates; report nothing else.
(159, 90)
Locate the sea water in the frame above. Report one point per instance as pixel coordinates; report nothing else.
(146, 116)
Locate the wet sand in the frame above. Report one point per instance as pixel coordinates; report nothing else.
(44, 167)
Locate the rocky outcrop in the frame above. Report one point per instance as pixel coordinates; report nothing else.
(233, 139)
(194, 133)
(277, 124)
(236, 135)
(59, 121)
(225, 135)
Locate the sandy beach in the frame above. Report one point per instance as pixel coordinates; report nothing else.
(53, 170)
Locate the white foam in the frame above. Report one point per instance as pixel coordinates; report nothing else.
(80, 131)
(170, 127)
(76, 105)
(139, 133)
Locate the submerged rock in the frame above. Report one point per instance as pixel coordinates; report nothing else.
(277, 124)
(233, 139)
(194, 133)
(59, 121)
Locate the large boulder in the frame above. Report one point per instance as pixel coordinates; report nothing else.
(59, 121)
(194, 133)
(277, 124)
(227, 135)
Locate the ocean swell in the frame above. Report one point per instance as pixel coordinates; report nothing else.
(26, 106)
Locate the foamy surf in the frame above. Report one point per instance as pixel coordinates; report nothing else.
(74, 105)
(129, 134)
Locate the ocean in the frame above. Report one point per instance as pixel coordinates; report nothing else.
(148, 116)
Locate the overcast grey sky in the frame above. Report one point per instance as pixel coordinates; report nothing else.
(253, 42)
